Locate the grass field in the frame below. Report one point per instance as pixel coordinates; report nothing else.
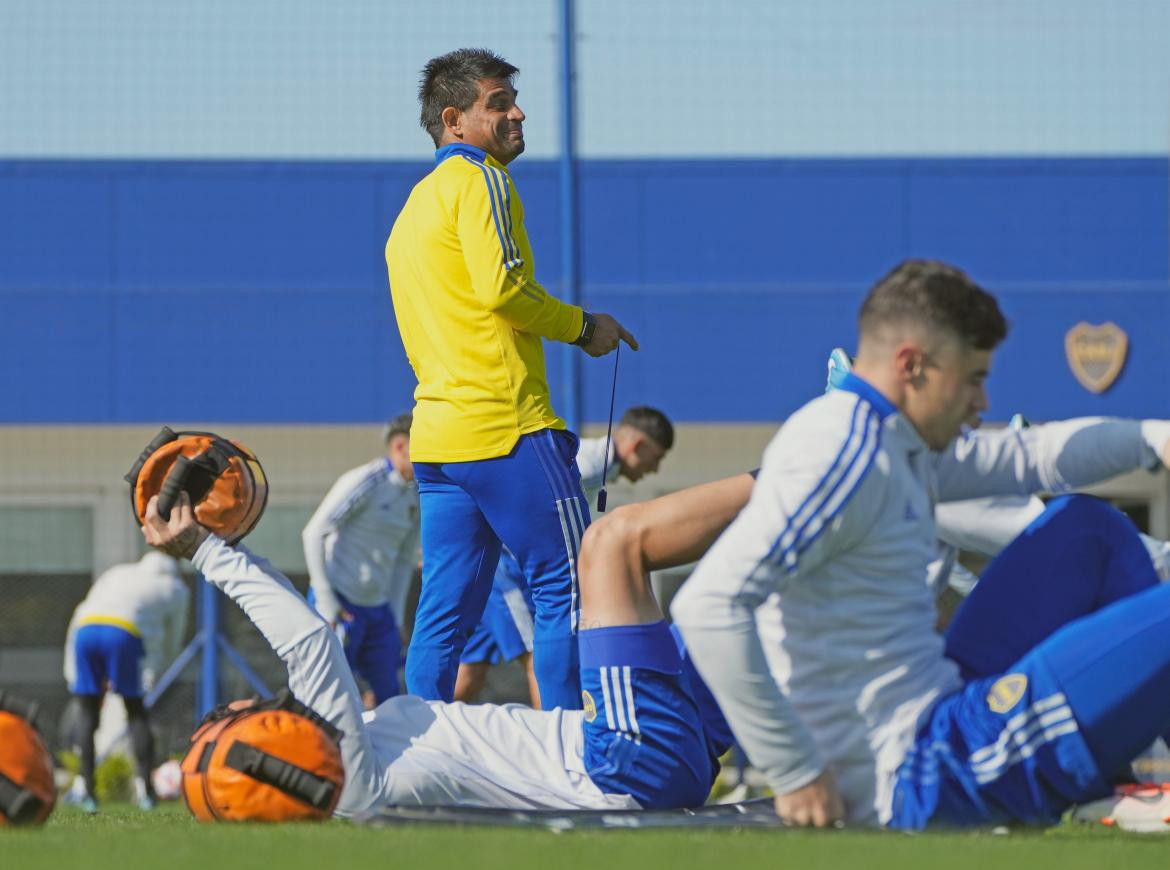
(122, 838)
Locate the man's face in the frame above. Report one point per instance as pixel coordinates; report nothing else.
(494, 122)
(399, 452)
(948, 392)
(641, 456)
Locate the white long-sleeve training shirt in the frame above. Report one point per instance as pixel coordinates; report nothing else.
(147, 598)
(362, 540)
(840, 527)
(407, 751)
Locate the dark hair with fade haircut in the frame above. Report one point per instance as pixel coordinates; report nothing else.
(652, 422)
(400, 425)
(452, 79)
(938, 296)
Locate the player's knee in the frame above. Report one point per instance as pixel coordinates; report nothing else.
(1078, 514)
(616, 536)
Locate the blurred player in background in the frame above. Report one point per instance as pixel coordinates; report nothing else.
(504, 633)
(494, 462)
(361, 547)
(127, 629)
(882, 726)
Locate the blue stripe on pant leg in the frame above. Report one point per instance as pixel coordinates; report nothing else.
(519, 496)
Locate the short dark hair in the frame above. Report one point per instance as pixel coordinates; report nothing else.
(453, 79)
(652, 422)
(938, 296)
(400, 425)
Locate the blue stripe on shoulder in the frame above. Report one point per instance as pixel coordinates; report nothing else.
(813, 492)
(835, 488)
(492, 201)
(505, 198)
(809, 534)
(867, 447)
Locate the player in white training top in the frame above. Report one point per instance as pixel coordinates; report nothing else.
(869, 719)
(638, 742)
(127, 629)
(361, 548)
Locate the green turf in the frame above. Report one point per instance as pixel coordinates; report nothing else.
(122, 838)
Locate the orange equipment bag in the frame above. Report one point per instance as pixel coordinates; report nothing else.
(27, 789)
(224, 479)
(270, 761)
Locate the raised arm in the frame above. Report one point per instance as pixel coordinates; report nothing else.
(317, 671)
(1054, 457)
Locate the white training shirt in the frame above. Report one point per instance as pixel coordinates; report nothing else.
(591, 461)
(147, 598)
(840, 527)
(407, 751)
(362, 541)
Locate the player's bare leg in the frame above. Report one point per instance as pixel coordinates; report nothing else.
(620, 550)
(533, 686)
(472, 677)
(470, 680)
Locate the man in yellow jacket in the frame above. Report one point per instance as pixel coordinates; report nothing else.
(494, 463)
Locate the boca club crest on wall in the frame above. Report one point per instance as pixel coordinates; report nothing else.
(1096, 354)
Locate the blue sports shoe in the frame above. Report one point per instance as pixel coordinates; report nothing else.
(839, 365)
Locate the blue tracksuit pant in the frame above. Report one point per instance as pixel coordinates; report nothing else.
(530, 500)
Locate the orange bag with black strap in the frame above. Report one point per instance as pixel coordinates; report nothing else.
(223, 478)
(265, 761)
(27, 790)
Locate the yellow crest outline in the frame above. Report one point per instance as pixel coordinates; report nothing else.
(589, 706)
(1006, 692)
(1096, 354)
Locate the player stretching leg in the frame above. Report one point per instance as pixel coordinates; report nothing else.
(643, 437)
(877, 725)
(639, 742)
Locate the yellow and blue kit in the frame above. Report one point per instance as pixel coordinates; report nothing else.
(495, 465)
(470, 312)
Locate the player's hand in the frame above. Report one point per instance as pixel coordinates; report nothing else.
(816, 805)
(181, 535)
(607, 335)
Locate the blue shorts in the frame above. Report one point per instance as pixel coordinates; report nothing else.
(107, 653)
(505, 631)
(643, 729)
(372, 644)
(1003, 749)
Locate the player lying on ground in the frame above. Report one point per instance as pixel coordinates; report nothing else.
(871, 720)
(639, 742)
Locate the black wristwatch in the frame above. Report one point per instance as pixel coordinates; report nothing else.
(588, 327)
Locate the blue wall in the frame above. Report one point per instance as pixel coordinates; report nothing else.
(256, 291)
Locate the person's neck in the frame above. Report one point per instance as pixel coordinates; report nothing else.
(885, 381)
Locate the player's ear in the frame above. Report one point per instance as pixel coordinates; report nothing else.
(453, 120)
(909, 361)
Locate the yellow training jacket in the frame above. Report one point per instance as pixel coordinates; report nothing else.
(470, 313)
